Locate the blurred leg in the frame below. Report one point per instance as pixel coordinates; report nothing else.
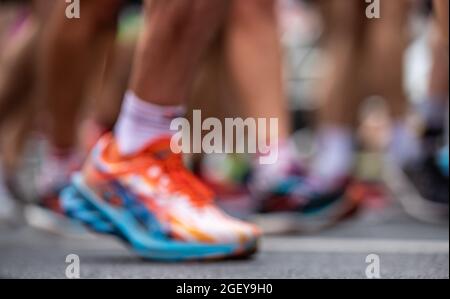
(72, 48)
(441, 11)
(17, 81)
(387, 41)
(109, 98)
(341, 91)
(72, 55)
(18, 58)
(254, 60)
(433, 109)
(176, 36)
(385, 48)
(427, 171)
(17, 70)
(439, 70)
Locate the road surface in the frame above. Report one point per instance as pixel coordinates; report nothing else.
(406, 249)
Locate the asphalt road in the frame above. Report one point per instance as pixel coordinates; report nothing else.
(406, 248)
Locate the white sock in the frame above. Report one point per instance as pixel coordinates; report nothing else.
(141, 122)
(335, 155)
(405, 145)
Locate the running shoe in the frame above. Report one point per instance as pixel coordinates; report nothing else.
(422, 188)
(153, 203)
(421, 185)
(295, 202)
(53, 175)
(226, 175)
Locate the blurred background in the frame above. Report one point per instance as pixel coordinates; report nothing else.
(338, 66)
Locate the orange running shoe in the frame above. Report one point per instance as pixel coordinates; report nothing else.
(155, 204)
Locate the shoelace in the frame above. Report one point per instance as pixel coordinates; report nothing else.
(186, 182)
(182, 180)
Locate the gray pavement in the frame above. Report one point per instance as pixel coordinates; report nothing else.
(407, 249)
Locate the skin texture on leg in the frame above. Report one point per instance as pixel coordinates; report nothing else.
(70, 52)
(386, 43)
(254, 61)
(365, 58)
(211, 92)
(340, 91)
(439, 86)
(16, 73)
(441, 8)
(439, 76)
(18, 59)
(237, 79)
(177, 34)
(16, 98)
(17, 83)
(106, 105)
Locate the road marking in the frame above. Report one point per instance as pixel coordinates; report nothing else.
(285, 244)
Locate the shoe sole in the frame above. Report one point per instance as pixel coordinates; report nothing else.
(306, 223)
(80, 203)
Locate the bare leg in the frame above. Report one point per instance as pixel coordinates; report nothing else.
(254, 60)
(163, 73)
(17, 72)
(441, 10)
(341, 90)
(18, 63)
(385, 49)
(107, 105)
(439, 86)
(17, 84)
(176, 36)
(71, 49)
